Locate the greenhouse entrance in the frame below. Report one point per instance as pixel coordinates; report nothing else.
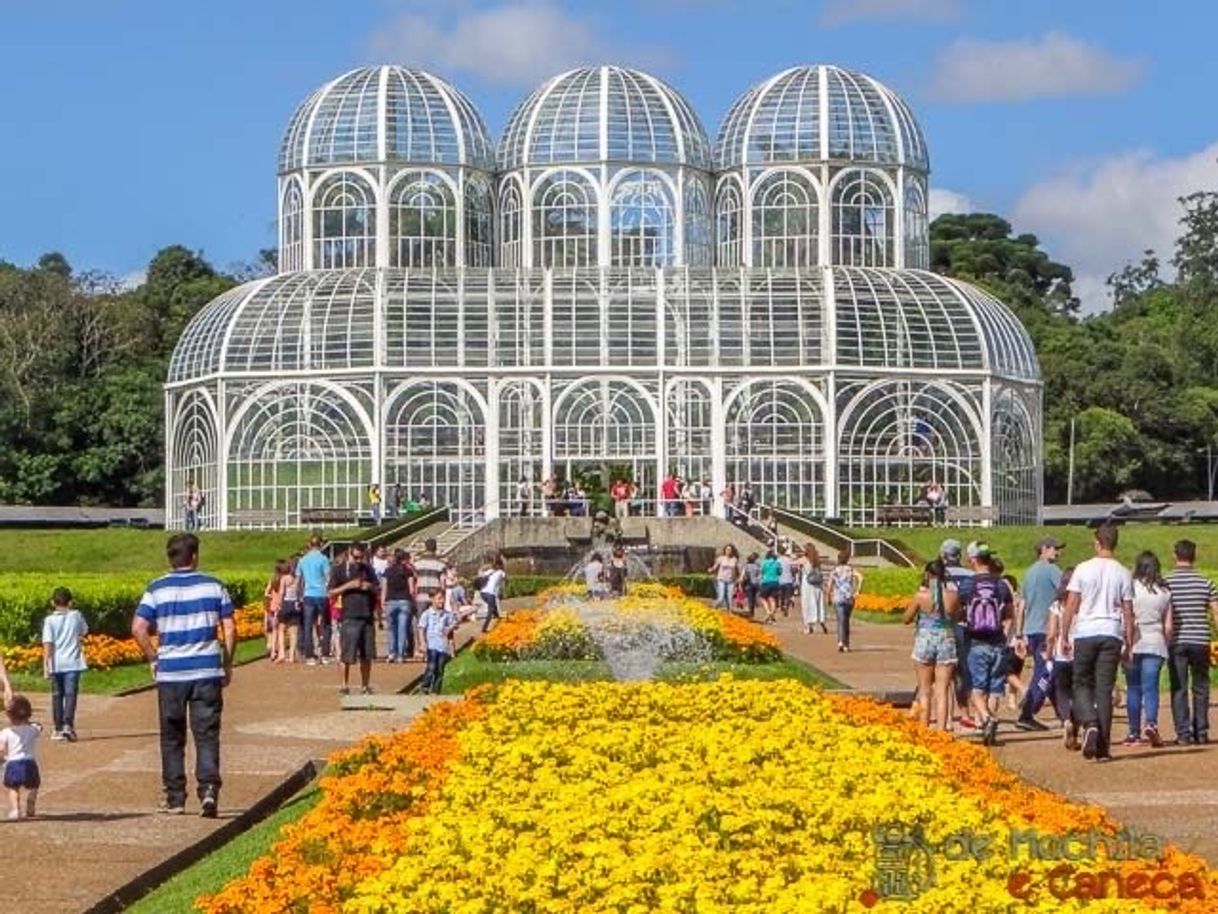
(596, 477)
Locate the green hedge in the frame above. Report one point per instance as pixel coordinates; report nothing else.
(107, 600)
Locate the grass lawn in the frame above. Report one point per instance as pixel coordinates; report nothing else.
(1016, 545)
(214, 871)
(124, 550)
(129, 676)
(467, 671)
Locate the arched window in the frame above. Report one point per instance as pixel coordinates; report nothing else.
(862, 221)
(917, 233)
(775, 442)
(641, 221)
(785, 221)
(422, 221)
(510, 240)
(728, 230)
(344, 223)
(291, 230)
(479, 222)
(564, 221)
(697, 224)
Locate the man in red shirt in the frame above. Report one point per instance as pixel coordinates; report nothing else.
(670, 492)
(620, 493)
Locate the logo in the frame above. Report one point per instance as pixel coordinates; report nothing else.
(904, 861)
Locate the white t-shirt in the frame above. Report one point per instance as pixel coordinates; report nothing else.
(19, 742)
(1149, 609)
(593, 573)
(380, 566)
(64, 629)
(1103, 585)
(1057, 611)
(494, 582)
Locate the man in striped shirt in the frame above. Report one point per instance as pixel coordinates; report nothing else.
(191, 666)
(1193, 599)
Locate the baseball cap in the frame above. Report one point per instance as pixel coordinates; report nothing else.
(978, 550)
(1049, 542)
(971, 549)
(950, 548)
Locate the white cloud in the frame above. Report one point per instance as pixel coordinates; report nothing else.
(516, 44)
(840, 12)
(1099, 217)
(943, 201)
(1053, 66)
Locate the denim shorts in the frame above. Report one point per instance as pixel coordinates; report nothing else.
(934, 644)
(22, 774)
(987, 667)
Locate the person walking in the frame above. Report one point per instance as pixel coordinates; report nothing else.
(726, 570)
(374, 503)
(771, 573)
(1100, 596)
(812, 590)
(19, 758)
(989, 604)
(1193, 600)
(750, 579)
(314, 572)
(492, 591)
(843, 585)
(399, 593)
(670, 495)
(617, 572)
(1152, 621)
(429, 569)
(63, 660)
(193, 504)
(620, 493)
(1040, 585)
(1062, 673)
(191, 666)
(354, 586)
(287, 630)
(934, 607)
(436, 627)
(950, 552)
(786, 580)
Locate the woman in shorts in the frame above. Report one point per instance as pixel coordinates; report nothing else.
(934, 608)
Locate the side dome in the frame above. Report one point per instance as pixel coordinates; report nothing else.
(386, 113)
(606, 113)
(820, 113)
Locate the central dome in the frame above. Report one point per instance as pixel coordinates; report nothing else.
(606, 113)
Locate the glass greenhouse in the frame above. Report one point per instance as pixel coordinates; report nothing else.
(605, 292)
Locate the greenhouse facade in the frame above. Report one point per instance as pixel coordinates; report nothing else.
(603, 292)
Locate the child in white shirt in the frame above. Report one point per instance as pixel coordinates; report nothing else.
(17, 748)
(63, 660)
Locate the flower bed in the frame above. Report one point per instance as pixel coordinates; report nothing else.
(726, 796)
(556, 631)
(103, 651)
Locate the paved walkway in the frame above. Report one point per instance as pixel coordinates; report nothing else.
(1172, 791)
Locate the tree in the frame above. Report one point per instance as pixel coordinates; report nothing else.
(1107, 453)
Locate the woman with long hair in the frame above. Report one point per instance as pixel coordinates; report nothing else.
(1062, 665)
(1152, 618)
(287, 620)
(811, 590)
(935, 608)
(726, 569)
(841, 587)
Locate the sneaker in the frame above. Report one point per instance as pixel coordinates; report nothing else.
(1103, 758)
(840, 647)
(366, 690)
(1133, 740)
(58, 736)
(1184, 740)
(1151, 735)
(1091, 742)
(312, 661)
(209, 805)
(990, 731)
(1030, 724)
(1202, 739)
(170, 807)
(824, 629)
(967, 723)
(70, 734)
(344, 690)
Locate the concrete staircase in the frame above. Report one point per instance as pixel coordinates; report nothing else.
(445, 533)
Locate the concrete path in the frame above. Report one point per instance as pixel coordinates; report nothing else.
(1172, 792)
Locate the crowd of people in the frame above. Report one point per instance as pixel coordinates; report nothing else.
(977, 630)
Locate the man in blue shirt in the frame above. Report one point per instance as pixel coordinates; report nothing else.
(314, 571)
(1040, 583)
(191, 666)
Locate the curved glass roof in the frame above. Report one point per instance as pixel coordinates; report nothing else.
(392, 113)
(820, 113)
(887, 321)
(604, 113)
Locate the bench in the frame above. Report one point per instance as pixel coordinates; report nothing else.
(250, 518)
(339, 516)
(971, 514)
(903, 514)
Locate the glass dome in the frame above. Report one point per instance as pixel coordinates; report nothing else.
(820, 113)
(386, 113)
(604, 113)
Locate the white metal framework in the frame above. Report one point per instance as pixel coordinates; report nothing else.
(605, 302)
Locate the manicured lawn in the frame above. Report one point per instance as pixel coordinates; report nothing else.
(1016, 545)
(467, 671)
(210, 874)
(129, 676)
(121, 550)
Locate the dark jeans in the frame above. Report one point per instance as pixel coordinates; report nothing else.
(751, 592)
(314, 609)
(492, 609)
(200, 701)
(64, 687)
(1190, 660)
(1063, 691)
(433, 675)
(843, 621)
(964, 684)
(1095, 670)
(1035, 697)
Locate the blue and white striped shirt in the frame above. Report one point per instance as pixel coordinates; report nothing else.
(184, 609)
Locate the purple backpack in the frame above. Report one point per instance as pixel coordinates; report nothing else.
(984, 614)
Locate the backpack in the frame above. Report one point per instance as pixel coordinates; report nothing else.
(843, 585)
(984, 614)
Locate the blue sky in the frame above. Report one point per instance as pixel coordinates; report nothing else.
(131, 124)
